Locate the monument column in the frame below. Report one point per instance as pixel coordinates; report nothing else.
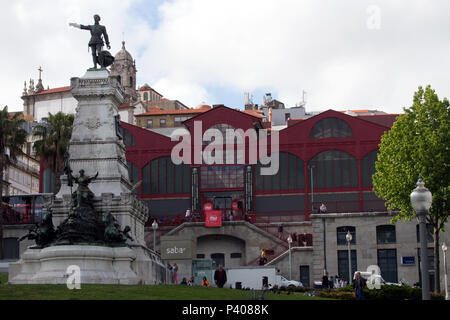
(95, 146)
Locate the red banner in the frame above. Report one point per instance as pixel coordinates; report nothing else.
(235, 205)
(213, 218)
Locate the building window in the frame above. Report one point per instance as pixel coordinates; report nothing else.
(334, 169)
(149, 123)
(218, 258)
(222, 177)
(145, 96)
(162, 176)
(343, 263)
(133, 173)
(287, 116)
(128, 138)
(430, 254)
(330, 128)
(236, 255)
(430, 232)
(162, 123)
(222, 127)
(342, 232)
(386, 234)
(290, 175)
(387, 261)
(368, 168)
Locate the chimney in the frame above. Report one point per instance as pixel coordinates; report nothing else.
(270, 115)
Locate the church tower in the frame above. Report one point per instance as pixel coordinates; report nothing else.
(124, 67)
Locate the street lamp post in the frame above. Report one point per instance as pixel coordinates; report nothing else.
(154, 227)
(349, 238)
(444, 249)
(289, 240)
(421, 199)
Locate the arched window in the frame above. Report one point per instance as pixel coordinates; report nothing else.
(145, 96)
(334, 169)
(330, 128)
(290, 175)
(131, 82)
(368, 168)
(386, 234)
(222, 127)
(162, 176)
(342, 232)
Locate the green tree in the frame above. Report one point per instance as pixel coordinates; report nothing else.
(12, 140)
(418, 143)
(53, 141)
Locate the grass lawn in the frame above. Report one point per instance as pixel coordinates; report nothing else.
(126, 292)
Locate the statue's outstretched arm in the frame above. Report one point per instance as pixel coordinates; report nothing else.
(75, 25)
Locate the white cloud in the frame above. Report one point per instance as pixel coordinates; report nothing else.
(283, 46)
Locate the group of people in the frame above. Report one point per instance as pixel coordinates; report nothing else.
(174, 271)
(359, 283)
(220, 278)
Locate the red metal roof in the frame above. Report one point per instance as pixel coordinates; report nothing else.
(386, 120)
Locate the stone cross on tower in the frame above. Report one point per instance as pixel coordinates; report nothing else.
(39, 86)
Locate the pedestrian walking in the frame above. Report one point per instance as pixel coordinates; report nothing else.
(280, 231)
(220, 276)
(359, 284)
(188, 215)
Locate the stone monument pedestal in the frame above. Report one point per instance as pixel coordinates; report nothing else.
(98, 264)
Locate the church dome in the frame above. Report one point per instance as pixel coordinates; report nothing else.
(123, 54)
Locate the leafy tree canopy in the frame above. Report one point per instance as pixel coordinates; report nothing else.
(417, 144)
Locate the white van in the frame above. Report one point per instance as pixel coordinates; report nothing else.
(255, 277)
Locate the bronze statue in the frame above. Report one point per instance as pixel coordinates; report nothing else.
(67, 169)
(44, 233)
(83, 196)
(96, 43)
(113, 234)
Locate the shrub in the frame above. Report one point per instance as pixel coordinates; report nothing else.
(391, 292)
(335, 294)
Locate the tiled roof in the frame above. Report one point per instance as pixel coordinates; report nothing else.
(153, 112)
(55, 90)
(255, 113)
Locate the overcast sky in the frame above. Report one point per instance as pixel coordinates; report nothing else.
(347, 54)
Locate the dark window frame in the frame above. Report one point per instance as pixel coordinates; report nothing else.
(386, 234)
(341, 232)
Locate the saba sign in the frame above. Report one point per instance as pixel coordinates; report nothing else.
(177, 248)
